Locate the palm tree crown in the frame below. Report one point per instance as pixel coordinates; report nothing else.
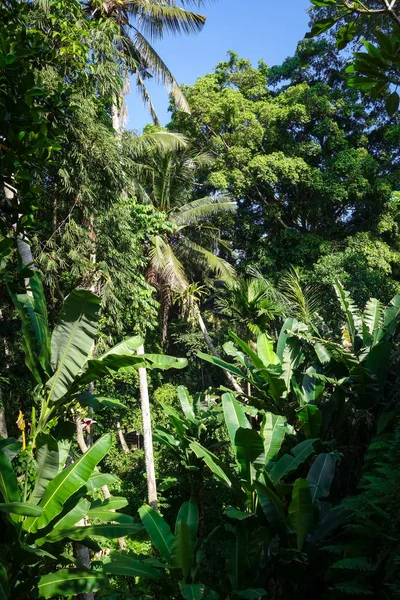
(139, 23)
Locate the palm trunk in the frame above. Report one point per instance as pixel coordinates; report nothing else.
(215, 352)
(165, 309)
(147, 435)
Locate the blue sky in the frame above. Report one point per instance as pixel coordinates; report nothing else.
(268, 29)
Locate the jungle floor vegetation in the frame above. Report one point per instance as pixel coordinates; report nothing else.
(199, 353)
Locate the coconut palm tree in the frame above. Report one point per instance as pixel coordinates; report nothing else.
(191, 249)
(139, 23)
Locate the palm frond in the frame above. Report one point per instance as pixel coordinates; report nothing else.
(156, 17)
(304, 300)
(146, 98)
(217, 264)
(200, 209)
(160, 70)
(168, 267)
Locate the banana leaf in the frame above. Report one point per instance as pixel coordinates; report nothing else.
(46, 466)
(301, 511)
(70, 582)
(67, 483)
(72, 341)
(158, 531)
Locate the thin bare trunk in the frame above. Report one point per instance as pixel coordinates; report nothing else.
(147, 435)
(124, 445)
(214, 351)
(3, 424)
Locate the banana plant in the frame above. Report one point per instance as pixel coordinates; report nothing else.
(261, 479)
(37, 526)
(199, 419)
(275, 375)
(180, 552)
(60, 361)
(359, 363)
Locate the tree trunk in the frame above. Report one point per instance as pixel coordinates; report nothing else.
(215, 352)
(124, 445)
(3, 424)
(147, 435)
(165, 309)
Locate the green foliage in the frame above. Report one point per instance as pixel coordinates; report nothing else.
(32, 559)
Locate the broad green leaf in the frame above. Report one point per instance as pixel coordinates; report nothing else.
(64, 434)
(321, 26)
(237, 557)
(235, 513)
(345, 35)
(289, 325)
(310, 419)
(392, 103)
(289, 462)
(70, 582)
(252, 593)
(125, 348)
(175, 418)
(322, 353)
(98, 402)
(218, 362)
(213, 463)
(10, 447)
(372, 320)
(67, 483)
(108, 516)
(164, 362)
(129, 566)
(274, 376)
(47, 464)
(107, 530)
(96, 369)
(273, 430)
(301, 511)
(273, 509)
(231, 350)
(256, 360)
(186, 404)
(68, 520)
(265, 350)
(249, 449)
(98, 480)
(190, 514)
(320, 475)
(192, 591)
(4, 585)
(292, 357)
(312, 387)
(21, 508)
(8, 481)
(113, 503)
(235, 416)
(72, 340)
(158, 531)
(182, 549)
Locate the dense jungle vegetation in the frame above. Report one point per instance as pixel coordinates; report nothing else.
(199, 354)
